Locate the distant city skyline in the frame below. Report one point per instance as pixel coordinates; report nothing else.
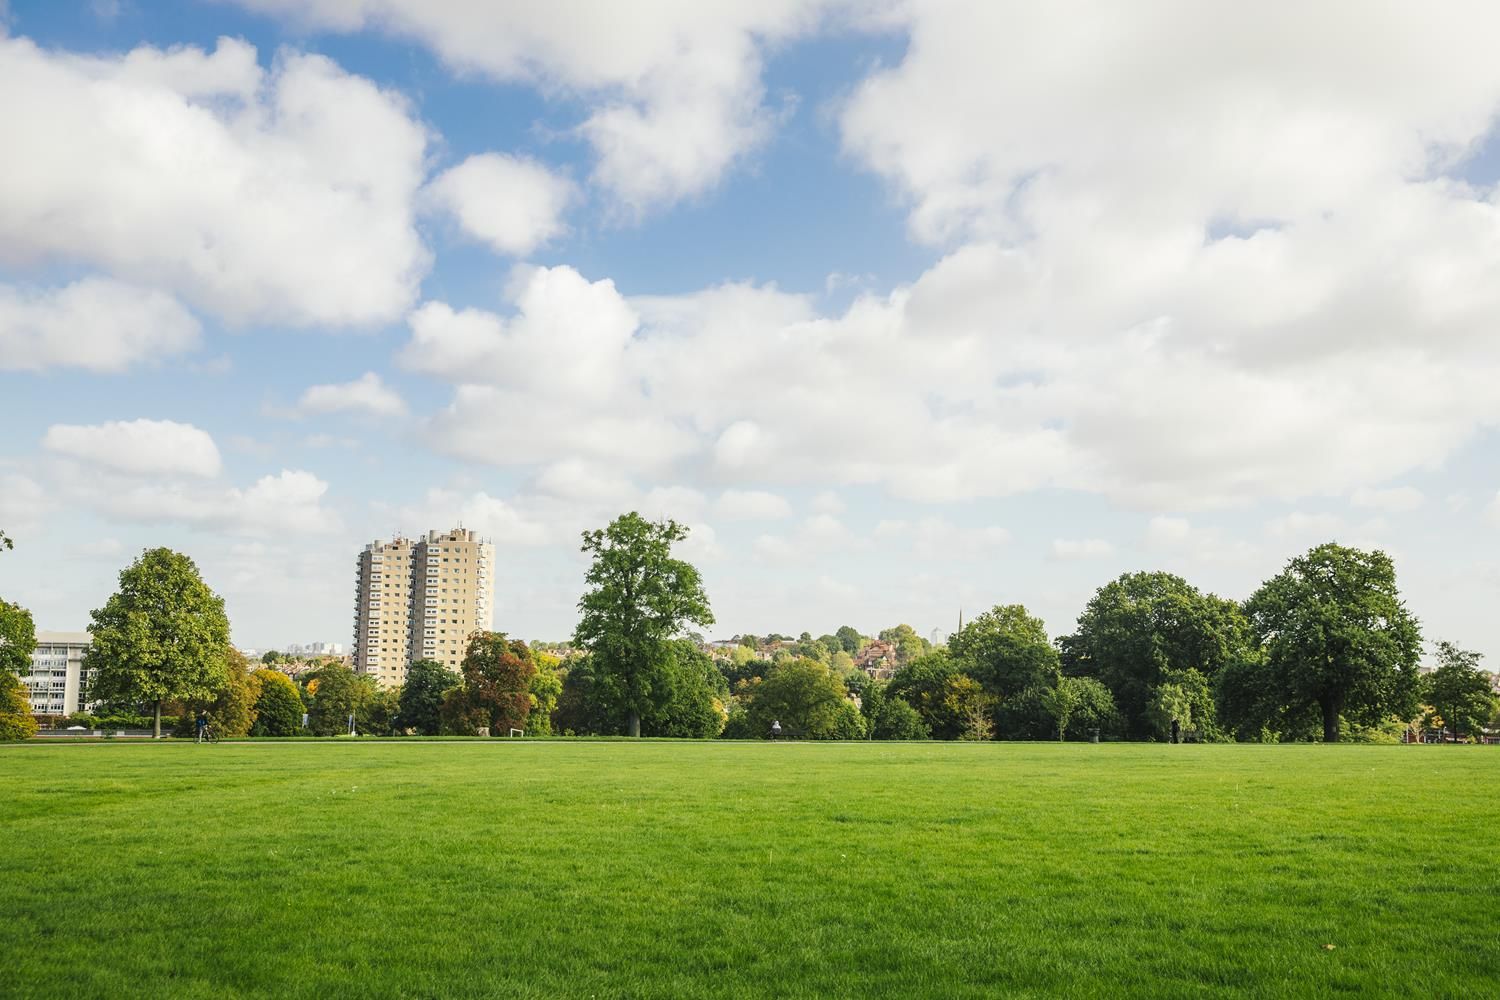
(900, 307)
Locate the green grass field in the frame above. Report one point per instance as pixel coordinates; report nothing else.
(658, 869)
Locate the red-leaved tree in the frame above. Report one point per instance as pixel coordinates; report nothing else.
(496, 691)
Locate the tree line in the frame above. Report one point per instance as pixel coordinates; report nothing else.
(1324, 650)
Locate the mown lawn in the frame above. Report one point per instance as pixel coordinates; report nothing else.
(658, 869)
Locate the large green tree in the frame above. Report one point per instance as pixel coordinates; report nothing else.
(496, 690)
(427, 684)
(278, 704)
(1006, 650)
(1140, 627)
(1336, 634)
(807, 699)
(638, 598)
(1459, 691)
(334, 693)
(230, 709)
(163, 636)
(17, 639)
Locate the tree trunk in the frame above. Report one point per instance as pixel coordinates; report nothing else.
(156, 728)
(1330, 721)
(635, 724)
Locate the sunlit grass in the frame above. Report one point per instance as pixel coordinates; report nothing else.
(703, 869)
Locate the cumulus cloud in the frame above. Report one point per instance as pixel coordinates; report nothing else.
(674, 91)
(138, 447)
(290, 501)
(281, 195)
(511, 204)
(95, 323)
(366, 394)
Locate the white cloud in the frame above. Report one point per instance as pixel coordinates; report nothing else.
(281, 195)
(366, 394)
(513, 205)
(933, 537)
(494, 518)
(288, 502)
(1301, 526)
(827, 502)
(22, 503)
(95, 323)
(752, 505)
(1081, 548)
(674, 90)
(138, 447)
(1397, 500)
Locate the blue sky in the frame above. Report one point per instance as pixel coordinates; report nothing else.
(904, 307)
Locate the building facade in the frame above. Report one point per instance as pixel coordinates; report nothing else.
(58, 684)
(420, 599)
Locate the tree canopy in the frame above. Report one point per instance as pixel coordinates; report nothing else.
(1005, 649)
(17, 639)
(638, 598)
(163, 636)
(807, 699)
(1336, 634)
(1142, 626)
(496, 690)
(1458, 691)
(278, 704)
(421, 707)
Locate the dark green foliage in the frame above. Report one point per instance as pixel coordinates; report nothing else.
(278, 705)
(849, 638)
(805, 697)
(892, 718)
(1182, 696)
(17, 639)
(1458, 691)
(333, 693)
(1006, 650)
(1250, 705)
(639, 597)
(421, 703)
(1137, 628)
(163, 636)
(936, 687)
(690, 687)
(1337, 635)
(496, 689)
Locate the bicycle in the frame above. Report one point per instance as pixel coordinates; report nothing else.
(208, 735)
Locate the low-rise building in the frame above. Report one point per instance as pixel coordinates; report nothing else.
(58, 684)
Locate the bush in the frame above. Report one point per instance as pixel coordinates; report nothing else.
(16, 722)
(896, 720)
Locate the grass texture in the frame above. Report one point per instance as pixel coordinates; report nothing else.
(667, 869)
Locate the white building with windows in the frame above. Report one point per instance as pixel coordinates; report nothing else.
(57, 683)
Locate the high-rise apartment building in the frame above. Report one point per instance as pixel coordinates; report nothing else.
(419, 600)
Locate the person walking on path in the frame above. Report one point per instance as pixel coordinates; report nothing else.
(202, 726)
(1176, 730)
(776, 729)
